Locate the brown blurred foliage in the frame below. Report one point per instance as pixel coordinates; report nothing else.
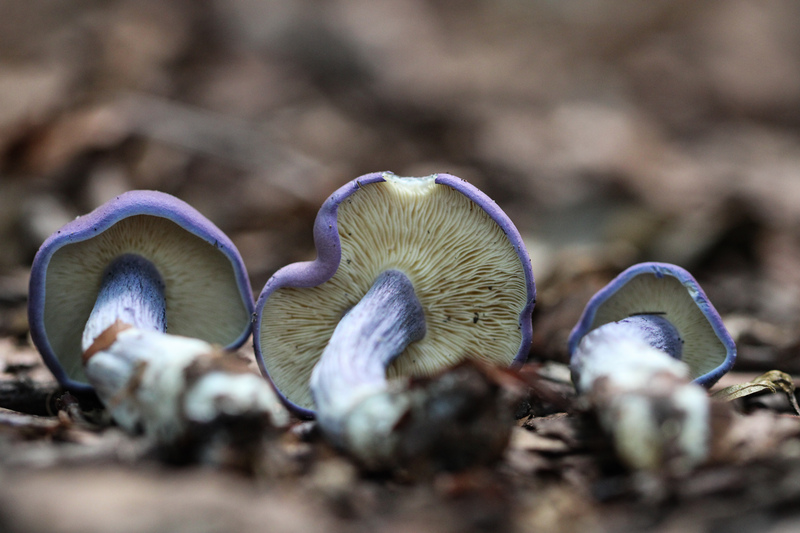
(610, 131)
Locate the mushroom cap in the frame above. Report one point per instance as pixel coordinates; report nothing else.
(467, 261)
(669, 291)
(208, 294)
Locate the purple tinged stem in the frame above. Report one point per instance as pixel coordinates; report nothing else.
(653, 330)
(132, 292)
(368, 338)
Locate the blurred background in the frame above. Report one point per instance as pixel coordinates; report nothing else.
(610, 131)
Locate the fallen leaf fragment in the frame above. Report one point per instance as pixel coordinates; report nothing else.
(772, 381)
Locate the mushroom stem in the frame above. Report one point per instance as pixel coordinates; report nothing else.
(131, 292)
(164, 385)
(183, 392)
(643, 394)
(598, 349)
(365, 342)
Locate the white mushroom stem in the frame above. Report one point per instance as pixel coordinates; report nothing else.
(157, 383)
(652, 330)
(644, 398)
(131, 292)
(365, 342)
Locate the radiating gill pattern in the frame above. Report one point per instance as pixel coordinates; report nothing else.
(203, 299)
(467, 275)
(646, 293)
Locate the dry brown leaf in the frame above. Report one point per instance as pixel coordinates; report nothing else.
(772, 381)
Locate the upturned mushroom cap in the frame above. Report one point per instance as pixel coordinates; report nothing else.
(671, 292)
(208, 294)
(466, 260)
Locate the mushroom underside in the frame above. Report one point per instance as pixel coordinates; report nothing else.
(668, 298)
(203, 299)
(369, 337)
(468, 277)
(131, 293)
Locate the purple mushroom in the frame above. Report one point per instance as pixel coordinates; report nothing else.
(643, 348)
(412, 276)
(662, 305)
(146, 259)
(105, 289)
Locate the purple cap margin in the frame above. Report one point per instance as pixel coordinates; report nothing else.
(329, 253)
(660, 270)
(85, 227)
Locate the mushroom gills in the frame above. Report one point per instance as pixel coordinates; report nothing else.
(131, 292)
(365, 342)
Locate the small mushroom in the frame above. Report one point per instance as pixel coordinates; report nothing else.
(413, 275)
(641, 352)
(106, 287)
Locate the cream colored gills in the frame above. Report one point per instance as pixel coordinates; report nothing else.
(646, 293)
(195, 281)
(466, 274)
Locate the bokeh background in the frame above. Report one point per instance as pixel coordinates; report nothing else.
(610, 131)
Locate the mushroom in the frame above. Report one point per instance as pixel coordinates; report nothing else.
(106, 287)
(413, 275)
(642, 352)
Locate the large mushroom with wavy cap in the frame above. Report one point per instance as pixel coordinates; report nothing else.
(413, 275)
(644, 348)
(106, 288)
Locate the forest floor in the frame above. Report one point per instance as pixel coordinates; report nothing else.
(618, 133)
